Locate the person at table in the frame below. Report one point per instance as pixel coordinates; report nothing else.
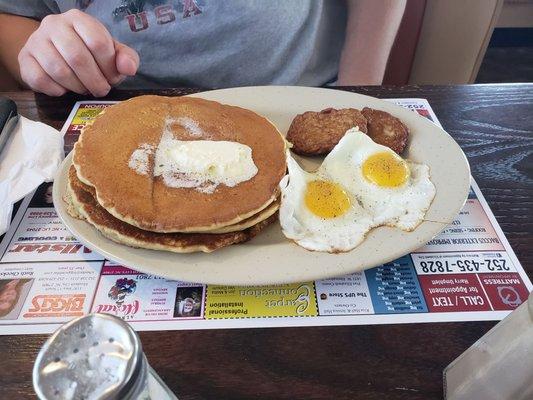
(88, 46)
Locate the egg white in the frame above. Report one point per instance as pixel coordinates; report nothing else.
(311, 231)
(371, 206)
(402, 206)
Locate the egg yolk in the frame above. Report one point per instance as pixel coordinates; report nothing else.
(385, 169)
(326, 199)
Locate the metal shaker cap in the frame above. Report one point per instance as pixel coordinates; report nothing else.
(97, 356)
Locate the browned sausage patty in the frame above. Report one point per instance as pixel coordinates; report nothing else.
(385, 129)
(314, 133)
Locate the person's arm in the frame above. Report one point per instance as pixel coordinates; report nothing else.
(370, 32)
(14, 32)
(64, 52)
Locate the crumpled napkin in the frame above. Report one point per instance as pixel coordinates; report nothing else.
(31, 156)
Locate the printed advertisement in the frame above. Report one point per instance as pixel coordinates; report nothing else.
(468, 272)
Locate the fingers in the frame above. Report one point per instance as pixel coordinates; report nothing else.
(80, 60)
(127, 59)
(74, 51)
(36, 78)
(100, 44)
(56, 68)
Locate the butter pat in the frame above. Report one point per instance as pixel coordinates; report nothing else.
(198, 164)
(203, 164)
(217, 160)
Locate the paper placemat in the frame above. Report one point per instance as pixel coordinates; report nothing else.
(468, 273)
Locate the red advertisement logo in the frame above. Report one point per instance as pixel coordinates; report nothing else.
(72, 248)
(122, 309)
(506, 290)
(122, 288)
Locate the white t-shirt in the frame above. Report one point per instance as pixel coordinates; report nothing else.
(214, 43)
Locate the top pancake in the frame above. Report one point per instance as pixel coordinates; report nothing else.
(103, 150)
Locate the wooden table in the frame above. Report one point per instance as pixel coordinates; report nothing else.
(494, 125)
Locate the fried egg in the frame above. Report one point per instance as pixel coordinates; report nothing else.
(318, 213)
(360, 185)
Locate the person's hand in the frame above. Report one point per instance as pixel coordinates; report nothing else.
(74, 52)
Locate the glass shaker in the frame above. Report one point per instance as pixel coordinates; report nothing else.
(499, 365)
(96, 357)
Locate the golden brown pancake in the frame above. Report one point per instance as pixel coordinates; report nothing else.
(83, 205)
(102, 153)
(271, 209)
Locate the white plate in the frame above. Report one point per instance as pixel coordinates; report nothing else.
(270, 258)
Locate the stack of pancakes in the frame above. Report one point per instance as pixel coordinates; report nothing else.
(140, 210)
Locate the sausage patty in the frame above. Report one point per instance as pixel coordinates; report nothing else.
(386, 129)
(314, 133)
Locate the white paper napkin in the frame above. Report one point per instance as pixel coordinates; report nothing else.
(31, 156)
